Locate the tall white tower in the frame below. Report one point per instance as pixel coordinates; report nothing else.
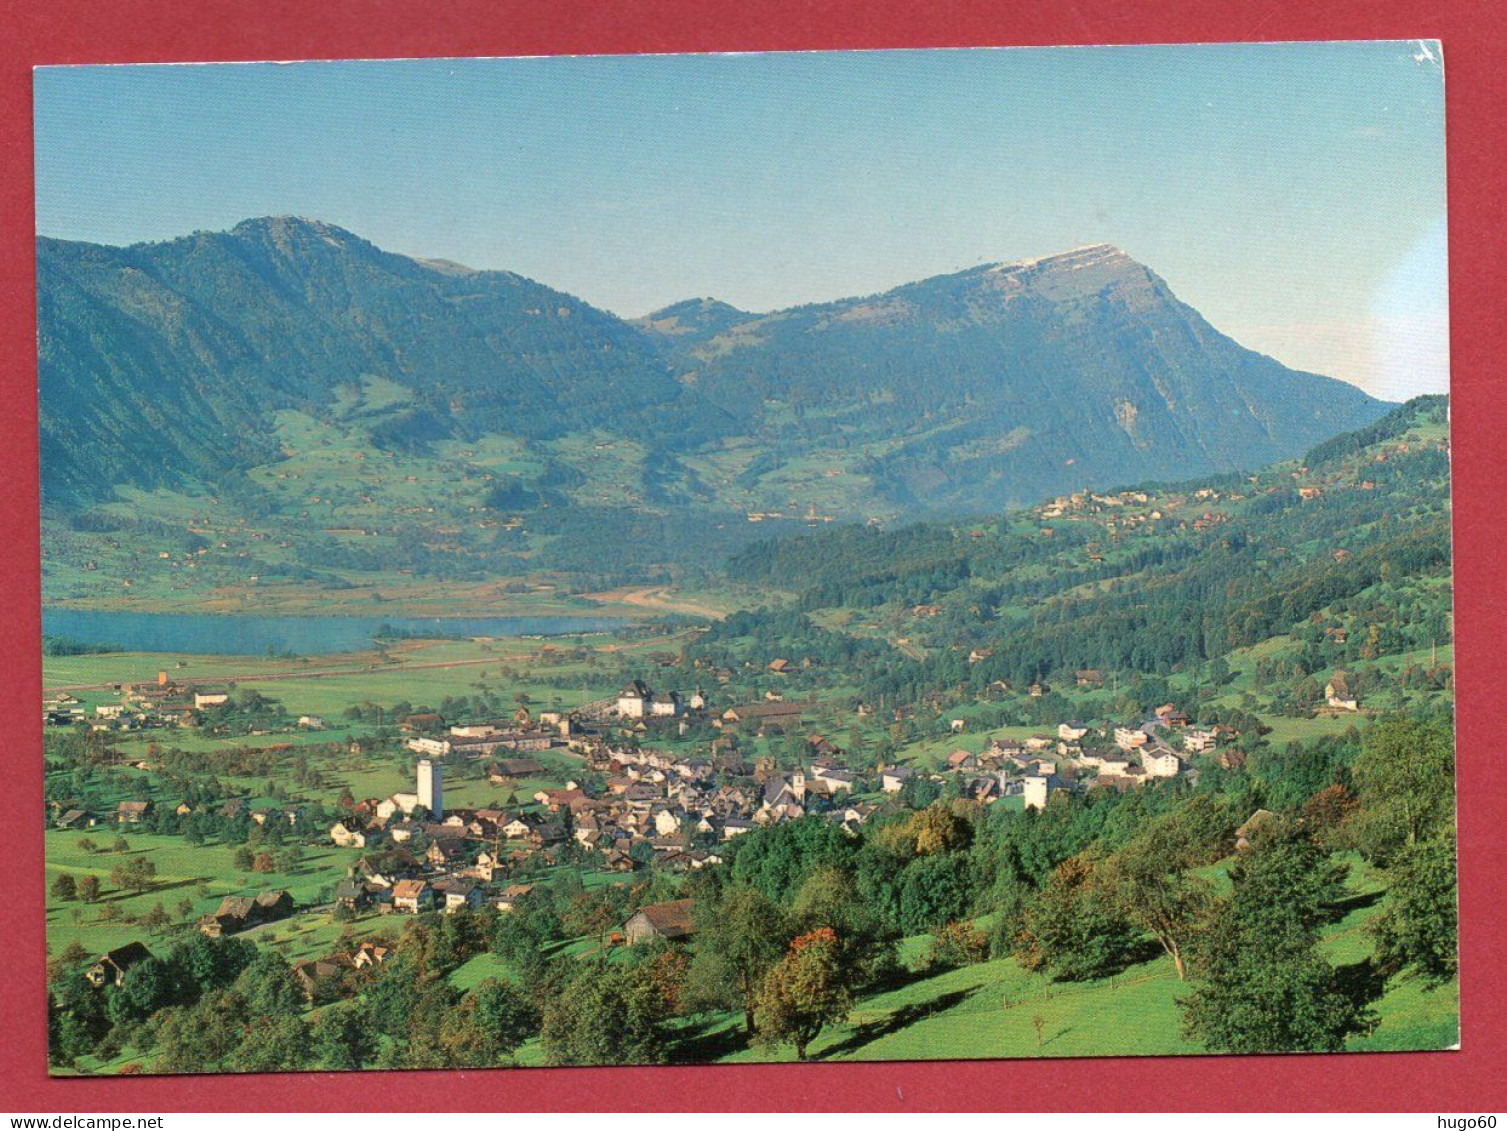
(431, 788)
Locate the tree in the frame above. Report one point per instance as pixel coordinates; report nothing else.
(804, 992)
(207, 964)
(204, 1036)
(64, 888)
(936, 829)
(1419, 928)
(67, 962)
(957, 944)
(778, 858)
(1149, 884)
(488, 1025)
(1261, 984)
(272, 1043)
(88, 888)
(269, 985)
(136, 874)
(935, 890)
(393, 997)
(341, 1038)
(157, 919)
(603, 1014)
(149, 987)
(1405, 777)
(830, 898)
(1073, 927)
(740, 937)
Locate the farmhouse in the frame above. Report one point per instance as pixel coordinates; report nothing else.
(771, 715)
(369, 954)
(238, 913)
(511, 895)
(320, 977)
(74, 819)
(458, 894)
(132, 812)
(352, 893)
(633, 701)
(348, 833)
(110, 968)
(835, 778)
(1037, 789)
(669, 921)
(511, 769)
(1339, 694)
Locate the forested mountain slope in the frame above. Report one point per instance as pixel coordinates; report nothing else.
(316, 408)
(1346, 554)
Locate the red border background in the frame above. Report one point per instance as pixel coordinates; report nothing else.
(68, 31)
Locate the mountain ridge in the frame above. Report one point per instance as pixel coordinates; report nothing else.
(165, 365)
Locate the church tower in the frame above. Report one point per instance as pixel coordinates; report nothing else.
(431, 789)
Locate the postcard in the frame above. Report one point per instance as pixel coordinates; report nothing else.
(699, 559)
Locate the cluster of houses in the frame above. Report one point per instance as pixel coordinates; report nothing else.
(652, 807)
(523, 733)
(1127, 510)
(141, 706)
(67, 816)
(1078, 756)
(341, 972)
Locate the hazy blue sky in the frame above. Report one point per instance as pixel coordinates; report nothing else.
(1292, 193)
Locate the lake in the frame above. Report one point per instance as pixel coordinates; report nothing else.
(209, 634)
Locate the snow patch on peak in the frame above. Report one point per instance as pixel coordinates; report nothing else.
(1074, 258)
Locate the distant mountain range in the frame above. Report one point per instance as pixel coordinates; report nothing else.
(167, 365)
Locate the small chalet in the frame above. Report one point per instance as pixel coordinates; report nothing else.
(319, 978)
(669, 921)
(237, 913)
(1339, 693)
(111, 967)
(132, 812)
(369, 954)
(74, 819)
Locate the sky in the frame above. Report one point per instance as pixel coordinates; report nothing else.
(1292, 193)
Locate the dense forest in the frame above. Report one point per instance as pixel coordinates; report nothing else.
(1356, 541)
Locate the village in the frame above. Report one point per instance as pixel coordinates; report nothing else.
(633, 807)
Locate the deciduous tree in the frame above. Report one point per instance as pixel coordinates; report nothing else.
(1261, 984)
(804, 992)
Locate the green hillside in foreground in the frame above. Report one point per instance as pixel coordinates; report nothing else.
(989, 1009)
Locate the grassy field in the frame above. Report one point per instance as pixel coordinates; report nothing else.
(198, 876)
(991, 1009)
